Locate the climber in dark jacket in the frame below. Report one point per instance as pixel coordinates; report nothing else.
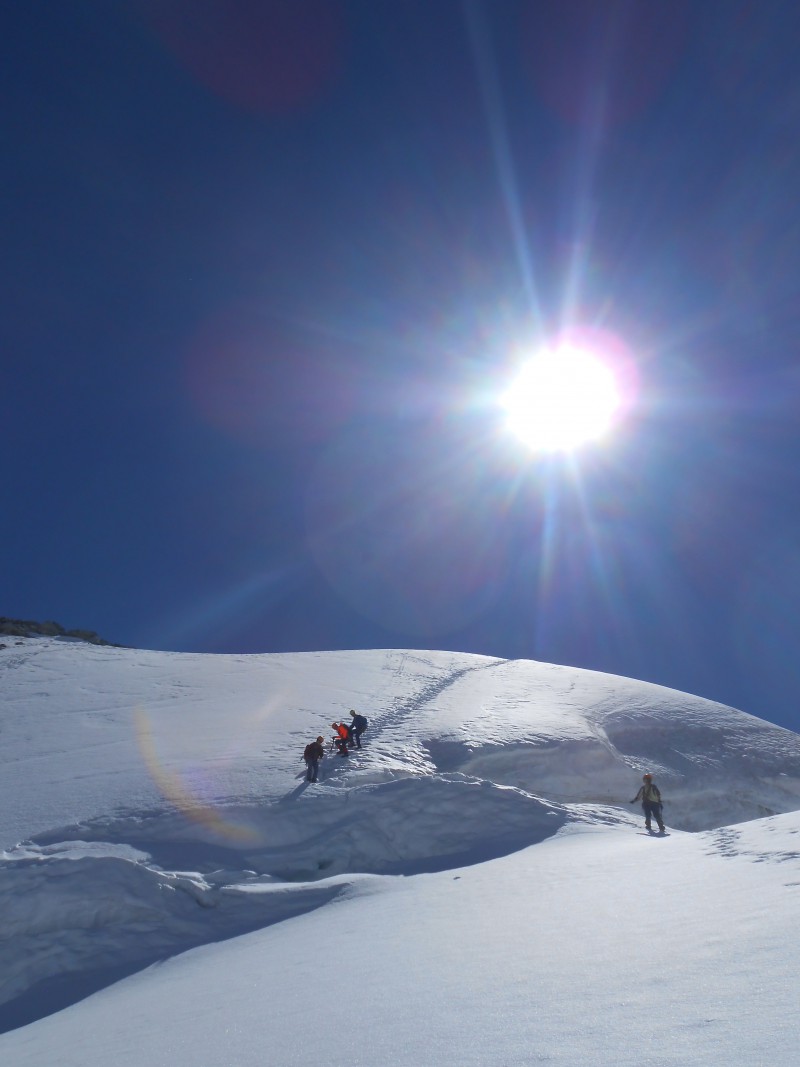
(357, 728)
(650, 796)
(312, 754)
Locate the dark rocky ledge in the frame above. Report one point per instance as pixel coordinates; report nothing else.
(26, 628)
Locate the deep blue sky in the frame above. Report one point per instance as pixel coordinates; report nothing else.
(266, 264)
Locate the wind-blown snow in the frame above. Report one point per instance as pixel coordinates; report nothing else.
(473, 887)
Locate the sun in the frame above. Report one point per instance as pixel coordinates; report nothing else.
(562, 400)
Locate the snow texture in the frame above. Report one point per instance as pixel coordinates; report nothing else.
(473, 887)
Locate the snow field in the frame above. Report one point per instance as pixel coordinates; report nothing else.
(598, 946)
(473, 888)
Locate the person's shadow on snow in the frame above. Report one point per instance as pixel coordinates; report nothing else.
(295, 793)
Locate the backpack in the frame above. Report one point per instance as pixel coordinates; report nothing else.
(310, 751)
(651, 793)
(360, 723)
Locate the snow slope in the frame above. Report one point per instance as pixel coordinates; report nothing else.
(471, 888)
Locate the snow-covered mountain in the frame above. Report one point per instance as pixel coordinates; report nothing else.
(471, 888)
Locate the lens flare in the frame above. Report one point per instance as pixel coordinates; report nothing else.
(174, 789)
(270, 56)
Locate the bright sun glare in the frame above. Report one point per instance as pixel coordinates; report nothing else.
(562, 400)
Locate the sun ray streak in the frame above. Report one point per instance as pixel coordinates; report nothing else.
(600, 569)
(547, 558)
(595, 116)
(498, 133)
(584, 215)
(234, 602)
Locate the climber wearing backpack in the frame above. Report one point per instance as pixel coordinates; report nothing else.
(341, 737)
(650, 796)
(357, 727)
(312, 754)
